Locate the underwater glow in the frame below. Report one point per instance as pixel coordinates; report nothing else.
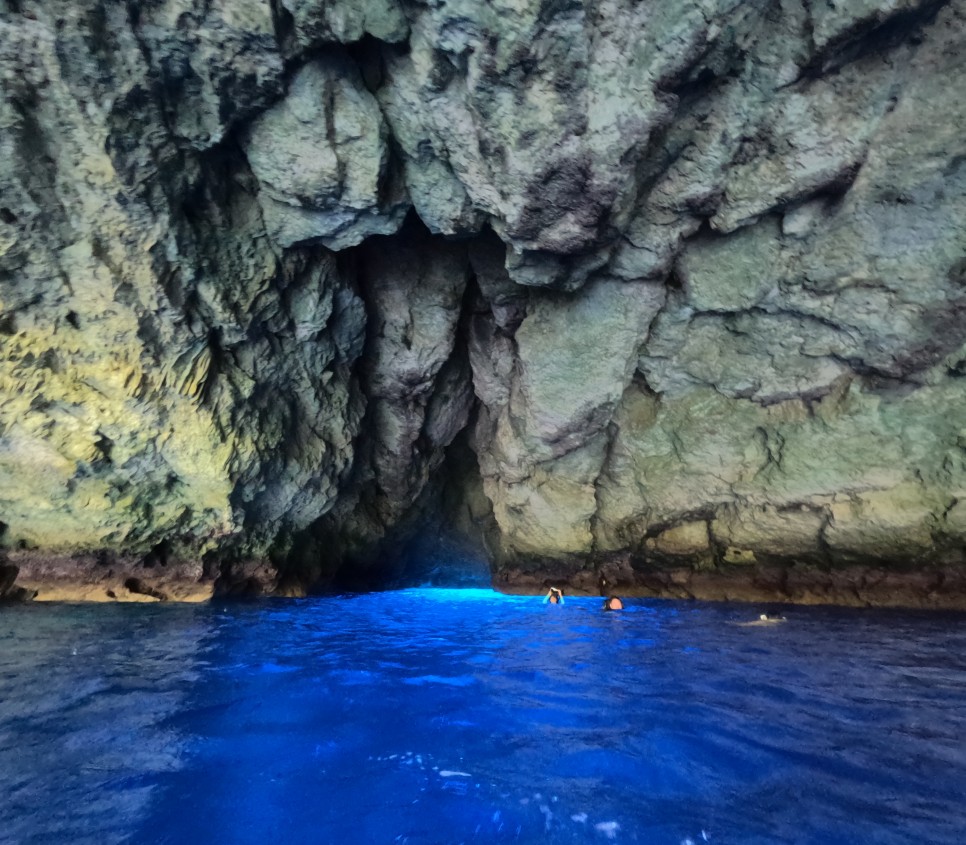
(439, 716)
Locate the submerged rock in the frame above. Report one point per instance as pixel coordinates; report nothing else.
(671, 296)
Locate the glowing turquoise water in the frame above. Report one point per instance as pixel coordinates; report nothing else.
(437, 716)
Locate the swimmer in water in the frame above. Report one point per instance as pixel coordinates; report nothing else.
(762, 620)
(613, 603)
(555, 596)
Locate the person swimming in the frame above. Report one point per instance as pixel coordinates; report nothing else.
(613, 603)
(762, 620)
(555, 596)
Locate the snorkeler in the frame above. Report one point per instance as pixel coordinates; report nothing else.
(555, 596)
(613, 603)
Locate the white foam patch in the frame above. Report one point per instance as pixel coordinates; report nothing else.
(608, 829)
(450, 773)
(547, 817)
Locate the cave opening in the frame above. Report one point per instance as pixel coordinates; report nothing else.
(413, 511)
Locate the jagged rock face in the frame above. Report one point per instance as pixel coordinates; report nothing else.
(167, 376)
(691, 277)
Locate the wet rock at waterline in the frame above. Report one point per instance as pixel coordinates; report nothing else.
(676, 294)
(9, 590)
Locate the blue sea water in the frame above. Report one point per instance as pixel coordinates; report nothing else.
(462, 716)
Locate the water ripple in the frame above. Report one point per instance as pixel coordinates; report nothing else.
(438, 716)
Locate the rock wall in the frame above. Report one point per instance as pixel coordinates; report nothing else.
(667, 296)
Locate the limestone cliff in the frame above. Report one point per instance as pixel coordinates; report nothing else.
(667, 295)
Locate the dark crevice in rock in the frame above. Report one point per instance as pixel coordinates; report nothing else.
(611, 430)
(8, 575)
(38, 165)
(284, 25)
(216, 365)
(9, 591)
(366, 56)
(103, 445)
(136, 585)
(159, 554)
(808, 25)
(236, 576)
(879, 34)
(367, 53)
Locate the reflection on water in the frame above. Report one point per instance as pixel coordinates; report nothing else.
(85, 694)
(435, 716)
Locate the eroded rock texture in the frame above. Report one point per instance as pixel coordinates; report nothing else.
(688, 279)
